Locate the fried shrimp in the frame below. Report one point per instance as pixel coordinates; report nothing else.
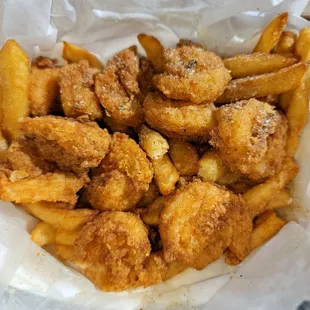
(200, 221)
(250, 137)
(117, 88)
(179, 119)
(66, 142)
(111, 248)
(122, 177)
(77, 97)
(191, 73)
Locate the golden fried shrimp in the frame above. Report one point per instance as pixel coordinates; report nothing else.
(118, 91)
(66, 142)
(200, 221)
(77, 97)
(250, 137)
(111, 248)
(113, 190)
(179, 119)
(193, 74)
(44, 91)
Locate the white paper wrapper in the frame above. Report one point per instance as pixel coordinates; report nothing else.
(274, 277)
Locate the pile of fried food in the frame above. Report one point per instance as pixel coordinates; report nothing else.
(147, 166)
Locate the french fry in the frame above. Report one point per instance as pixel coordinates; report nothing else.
(65, 237)
(3, 143)
(257, 63)
(15, 83)
(154, 50)
(286, 43)
(271, 34)
(297, 116)
(165, 174)
(150, 215)
(73, 53)
(211, 166)
(302, 48)
(265, 228)
(282, 200)
(149, 196)
(65, 252)
(258, 196)
(184, 156)
(70, 220)
(267, 84)
(152, 142)
(43, 234)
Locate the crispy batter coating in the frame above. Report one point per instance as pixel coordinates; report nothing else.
(185, 42)
(111, 248)
(179, 119)
(77, 97)
(124, 176)
(117, 88)
(198, 224)
(250, 137)
(193, 74)
(44, 91)
(68, 143)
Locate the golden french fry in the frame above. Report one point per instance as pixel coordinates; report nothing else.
(150, 215)
(257, 63)
(15, 83)
(73, 53)
(265, 228)
(154, 50)
(211, 166)
(302, 48)
(165, 174)
(282, 200)
(184, 156)
(267, 84)
(152, 142)
(65, 252)
(271, 34)
(70, 220)
(149, 196)
(43, 234)
(286, 43)
(65, 237)
(258, 196)
(3, 143)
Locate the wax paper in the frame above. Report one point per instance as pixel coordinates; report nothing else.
(276, 276)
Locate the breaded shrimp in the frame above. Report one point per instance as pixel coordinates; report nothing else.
(179, 119)
(198, 224)
(192, 73)
(248, 135)
(66, 142)
(77, 97)
(118, 91)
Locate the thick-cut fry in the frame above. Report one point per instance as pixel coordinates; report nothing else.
(65, 237)
(154, 50)
(265, 228)
(266, 84)
(302, 48)
(211, 166)
(165, 174)
(257, 63)
(271, 34)
(70, 220)
(286, 43)
(150, 215)
(282, 200)
(73, 53)
(149, 196)
(65, 252)
(152, 142)
(184, 156)
(43, 234)
(258, 196)
(297, 116)
(15, 83)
